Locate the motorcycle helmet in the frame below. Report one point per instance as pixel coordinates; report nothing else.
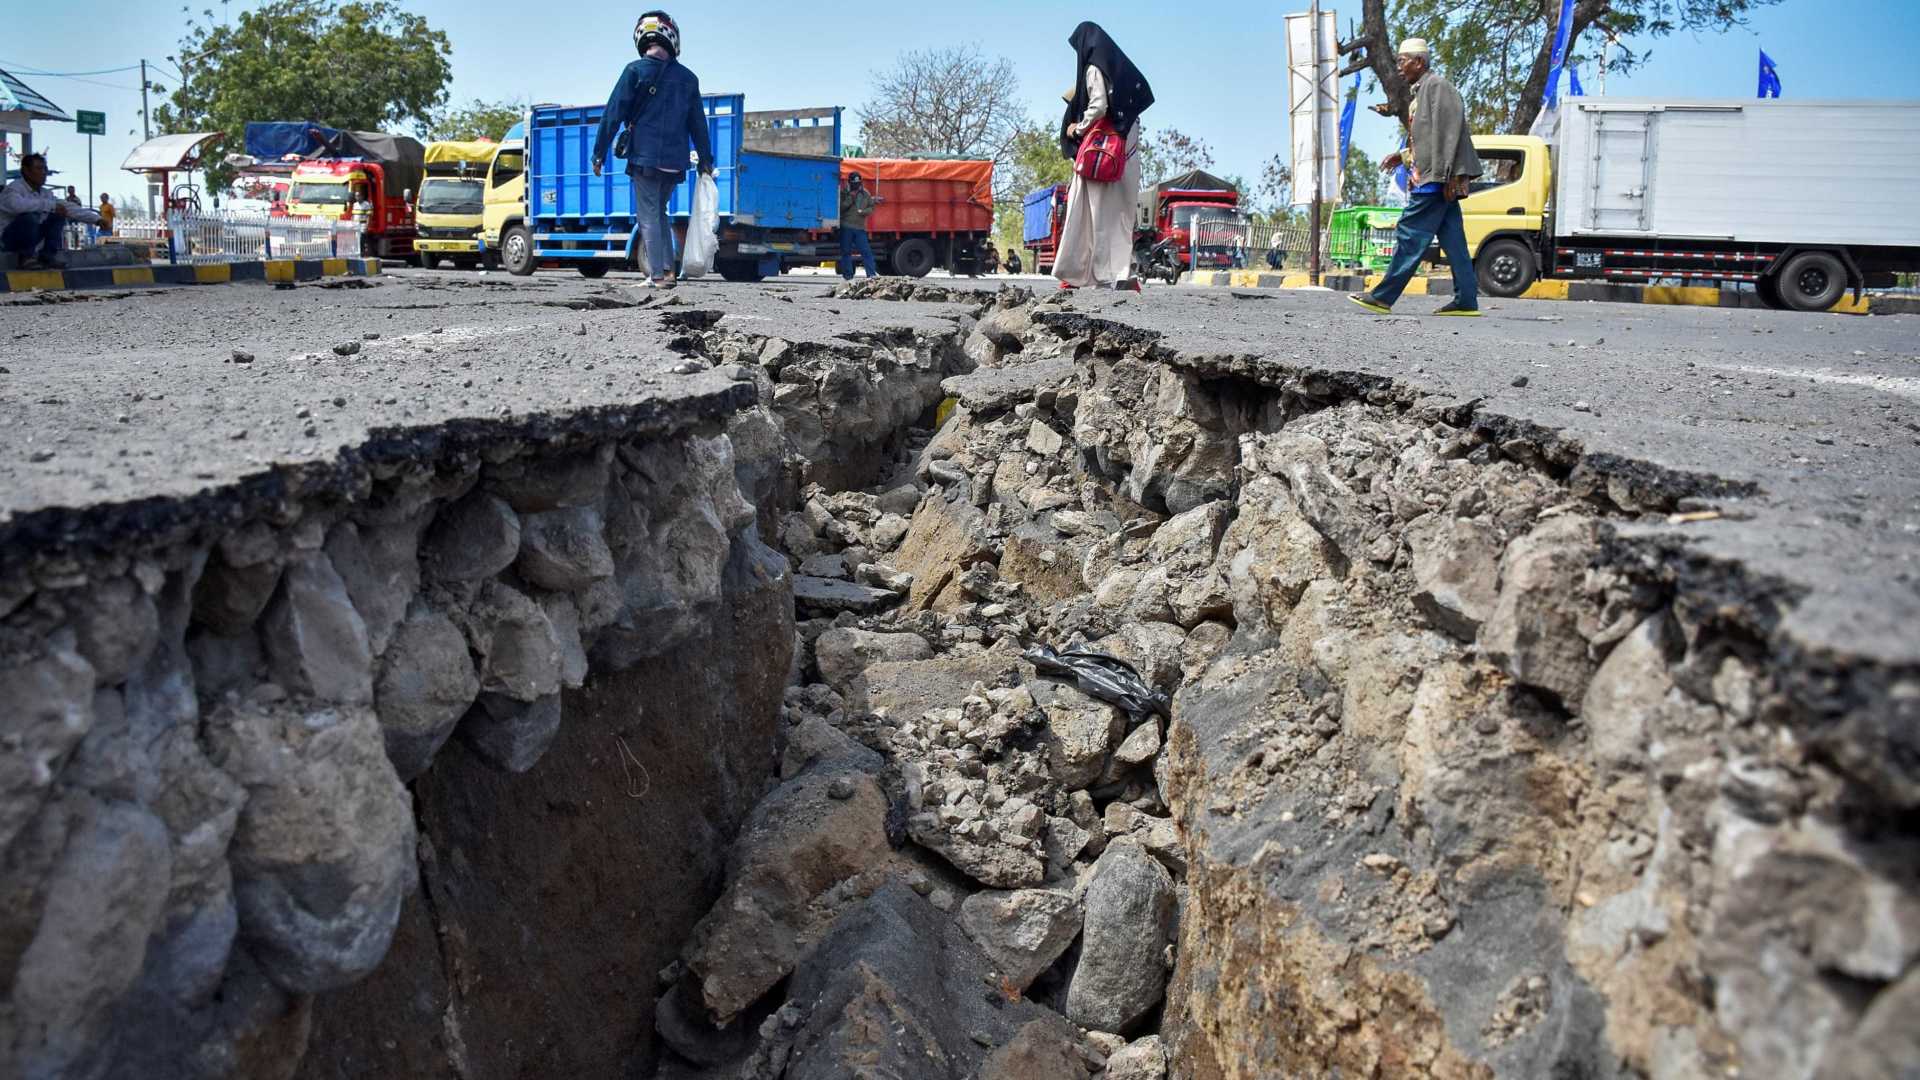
(656, 27)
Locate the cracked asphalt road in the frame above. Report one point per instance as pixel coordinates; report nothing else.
(114, 397)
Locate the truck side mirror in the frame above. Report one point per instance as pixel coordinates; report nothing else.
(406, 196)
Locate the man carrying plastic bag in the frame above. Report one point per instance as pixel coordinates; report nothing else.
(657, 100)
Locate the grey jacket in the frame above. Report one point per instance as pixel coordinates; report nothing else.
(1442, 143)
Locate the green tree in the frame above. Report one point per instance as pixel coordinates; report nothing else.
(477, 120)
(1499, 52)
(1362, 184)
(364, 65)
(1033, 161)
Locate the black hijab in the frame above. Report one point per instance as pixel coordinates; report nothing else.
(1128, 94)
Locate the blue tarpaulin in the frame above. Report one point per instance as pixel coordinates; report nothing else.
(275, 139)
(1037, 223)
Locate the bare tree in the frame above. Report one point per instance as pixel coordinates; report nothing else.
(954, 101)
(1170, 152)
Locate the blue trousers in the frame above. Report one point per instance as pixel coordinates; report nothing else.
(1430, 214)
(851, 241)
(652, 194)
(35, 236)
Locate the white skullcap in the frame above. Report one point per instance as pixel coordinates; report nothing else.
(1414, 46)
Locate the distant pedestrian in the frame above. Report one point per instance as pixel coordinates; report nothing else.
(1109, 93)
(1442, 163)
(990, 260)
(1013, 261)
(658, 100)
(107, 213)
(1277, 250)
(856, 206)
(1239, 254)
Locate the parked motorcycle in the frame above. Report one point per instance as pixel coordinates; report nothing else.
(1156, 260)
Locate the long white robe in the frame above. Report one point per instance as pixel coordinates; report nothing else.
(1096, 239)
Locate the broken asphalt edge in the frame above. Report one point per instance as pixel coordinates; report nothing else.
(57, 533)
(1591, 291)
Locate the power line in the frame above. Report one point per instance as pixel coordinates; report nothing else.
(67, 74)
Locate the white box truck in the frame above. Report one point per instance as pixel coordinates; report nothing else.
(1805, 199)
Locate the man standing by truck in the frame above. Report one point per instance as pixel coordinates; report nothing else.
(1443, 165)
(856, 206)
(658, 100)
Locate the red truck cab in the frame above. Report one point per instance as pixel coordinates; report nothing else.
(353, 190)
(1198, 212)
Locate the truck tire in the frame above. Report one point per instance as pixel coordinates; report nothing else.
(739, 269)
(593, 270)
(516, 251)
(1768, 290)
(913, 257)
(1813, 281)
(1506, 268)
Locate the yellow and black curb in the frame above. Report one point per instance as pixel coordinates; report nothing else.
(1595, 291)
(277, 271)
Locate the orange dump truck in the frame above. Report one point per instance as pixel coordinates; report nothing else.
(937, 212)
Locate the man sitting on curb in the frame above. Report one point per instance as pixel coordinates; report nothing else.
(33, 220)
(1440, 153)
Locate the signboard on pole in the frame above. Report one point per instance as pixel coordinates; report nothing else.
(1313, 100)
(89, 123)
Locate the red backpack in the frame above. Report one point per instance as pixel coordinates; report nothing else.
(1103, 154)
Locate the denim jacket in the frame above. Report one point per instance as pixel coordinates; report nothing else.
(673, 117)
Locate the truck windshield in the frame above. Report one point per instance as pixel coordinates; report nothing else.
(442, 196)
(320, 194)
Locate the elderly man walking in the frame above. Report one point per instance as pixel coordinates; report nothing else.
(1443, 164)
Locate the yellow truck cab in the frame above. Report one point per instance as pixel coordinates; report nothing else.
(1506, 210)
(506, 204)
(452, 202)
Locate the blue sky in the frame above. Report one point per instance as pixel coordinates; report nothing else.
(1218, 74)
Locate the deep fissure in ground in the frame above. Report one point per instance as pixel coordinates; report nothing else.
(1460, 780)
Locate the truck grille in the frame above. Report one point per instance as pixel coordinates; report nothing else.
(441, 232)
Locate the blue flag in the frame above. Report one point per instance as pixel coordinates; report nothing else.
(1769, 77)
(1560, 37)
(1574, 88)
(1346, 120)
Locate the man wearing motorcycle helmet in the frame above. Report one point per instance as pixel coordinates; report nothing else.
(658, 100)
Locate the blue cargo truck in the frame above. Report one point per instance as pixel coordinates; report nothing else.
(769, 201)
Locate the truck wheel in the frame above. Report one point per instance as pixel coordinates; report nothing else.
(593, 270)
(1812, 281)
(1768, 290)
(516, 251)
(739, 269)
(1506, 268)
(913, 257)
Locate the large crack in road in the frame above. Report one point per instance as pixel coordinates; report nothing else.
(1520, 726)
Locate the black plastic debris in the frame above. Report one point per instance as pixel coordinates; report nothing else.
(1108, 678)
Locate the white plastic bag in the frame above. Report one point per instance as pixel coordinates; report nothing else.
(703, 222)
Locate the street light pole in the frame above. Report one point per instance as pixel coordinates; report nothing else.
(146, 124)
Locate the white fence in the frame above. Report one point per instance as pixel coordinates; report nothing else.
(219, 236)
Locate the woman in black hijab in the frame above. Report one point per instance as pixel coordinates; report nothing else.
(1096, 240)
